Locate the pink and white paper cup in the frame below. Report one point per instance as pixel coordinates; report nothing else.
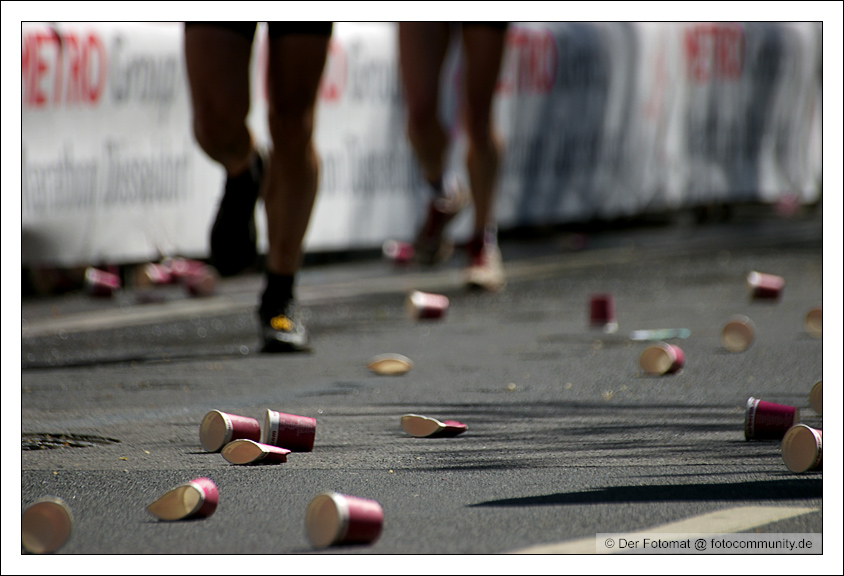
(46, 525)
(200, 281)
(251, 452)
(816, 398)
(602, 312)
(767, 420)
(425, 306)
(398, 252)
(334, 519)
(100, 283)
(219, 428)
(802, 449)
(426, 427)
(738, 334)
(296, 433)
(662, 358)
(764, 286)
(197, 498)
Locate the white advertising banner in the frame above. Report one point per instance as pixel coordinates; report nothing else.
(600, 120)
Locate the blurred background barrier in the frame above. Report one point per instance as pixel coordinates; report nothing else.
(600, 120)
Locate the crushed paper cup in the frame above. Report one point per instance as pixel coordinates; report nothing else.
(251, 452)
(390, 364)
(334, 519)
(802, 449)
(218, 429)
(738, 334)
(816, 398)
(398, 252)
(768, 420)
(100, 283)
(662, 358)
(195, 499)
(814, 322)
(425, 306)
(156, 274)
(295, 433)
(764, 286)
(180, 268)
(46, 525)
(602, 312)
(200, 281)
(425, 427)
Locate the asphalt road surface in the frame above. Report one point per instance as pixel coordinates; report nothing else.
(567, 435)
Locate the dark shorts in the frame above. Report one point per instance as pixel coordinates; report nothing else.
(274, 29)
(497, 25)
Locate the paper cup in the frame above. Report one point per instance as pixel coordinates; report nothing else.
(100, 283)
(425, 427)
(295, 433)
(156, 274)
(46, 525)
(201, 281)
(764, 286)
(802, 449)
(218, 429)
(390, 364)
(738, 334)
(816, 398)
(814, 322)
(602, 312)
(767, 420)
(336, 519)
(398, 252)
(425, 306)
(251, 452)
(662, 358)
(195, 499)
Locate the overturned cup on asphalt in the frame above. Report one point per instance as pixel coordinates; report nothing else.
(662, 358)
(219, 428)
(764, 286)
(767, 420)
(195, 499)
(390, 364)
(738, 334)
(201, 281)
(425, 427)
(398, 252)
(251, 452)
(46, 525)
(100, 283)
(802, 449)
(602, 312)
(295, 433)
(334, 519)
(816, 398)
(425, 306)
(813, 322)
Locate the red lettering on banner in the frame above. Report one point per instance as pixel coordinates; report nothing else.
(62, 68)
(714, 52)
(333, 83)
(91, 89)
(530, 62)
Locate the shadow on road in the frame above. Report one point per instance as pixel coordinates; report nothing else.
(782, 489)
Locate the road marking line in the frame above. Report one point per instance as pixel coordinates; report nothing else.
(726, 521)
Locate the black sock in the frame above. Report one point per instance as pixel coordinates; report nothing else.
(277, 294)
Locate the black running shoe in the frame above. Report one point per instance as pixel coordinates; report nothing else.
(284, 332)
(233, 235)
